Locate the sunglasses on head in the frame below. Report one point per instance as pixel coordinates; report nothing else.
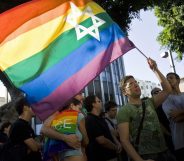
(156, 92)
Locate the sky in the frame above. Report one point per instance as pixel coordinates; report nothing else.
(2, 90)
(143, 33)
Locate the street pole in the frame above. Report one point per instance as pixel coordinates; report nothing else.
(171, 61)
(167, 54)
(6, 95)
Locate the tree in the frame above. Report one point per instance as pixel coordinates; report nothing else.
(7, 4)
(124, 11)
(171, 18)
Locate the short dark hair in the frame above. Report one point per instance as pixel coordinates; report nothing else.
(75, 101)
(172, 73)
(109, 105)
(19, 104)
(88, 102)
(72, 101)
(4, 125)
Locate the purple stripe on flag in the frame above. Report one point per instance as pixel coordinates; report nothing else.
(78, 81)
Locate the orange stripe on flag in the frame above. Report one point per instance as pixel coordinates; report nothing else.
(25, 12)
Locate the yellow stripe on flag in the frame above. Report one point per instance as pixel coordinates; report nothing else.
(35, 40)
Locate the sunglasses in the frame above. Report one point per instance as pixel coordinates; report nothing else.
(156, 92)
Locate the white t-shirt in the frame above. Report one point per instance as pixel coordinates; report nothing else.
(174, 102)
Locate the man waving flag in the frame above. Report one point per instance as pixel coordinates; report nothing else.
(51, 49)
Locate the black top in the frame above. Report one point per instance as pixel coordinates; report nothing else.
(19, 132)
(3, 137)
(163, 118)
(96, 127)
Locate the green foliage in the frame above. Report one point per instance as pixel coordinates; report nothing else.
(124, 11)
(171, 18)
(8, 4)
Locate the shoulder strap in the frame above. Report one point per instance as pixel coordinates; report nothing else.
(140, 126)
(112, 124)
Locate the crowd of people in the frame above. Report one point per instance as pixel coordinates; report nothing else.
(149, 129)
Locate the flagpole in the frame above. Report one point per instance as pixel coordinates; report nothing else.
(141, 52)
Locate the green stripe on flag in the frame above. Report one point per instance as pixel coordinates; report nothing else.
(28, 69)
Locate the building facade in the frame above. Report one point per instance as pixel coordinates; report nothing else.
(182, 84)
(3, 94)
(146, 87)
(106, 85)
(2, 101)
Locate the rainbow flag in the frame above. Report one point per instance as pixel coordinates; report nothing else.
(64, 122)
(51, 49)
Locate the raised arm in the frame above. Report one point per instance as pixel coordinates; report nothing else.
(160, 97)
